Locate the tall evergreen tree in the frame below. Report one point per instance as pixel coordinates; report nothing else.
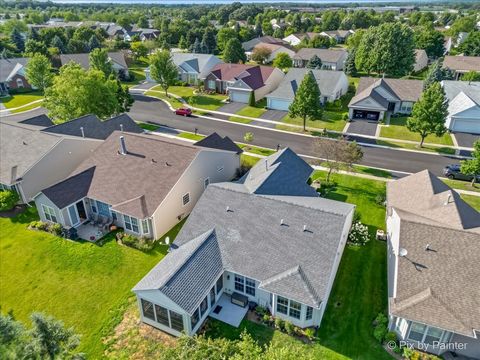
(182, 43)
(17, 39)
(209, 41)
(258, 29)
(314, 62)
(306, 103)
(93, 43)
(233, 52)
(436, 73)
(429, 113)
(196, 47)
(350, 68)
(58, 43)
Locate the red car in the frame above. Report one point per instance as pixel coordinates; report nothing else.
(183, 111)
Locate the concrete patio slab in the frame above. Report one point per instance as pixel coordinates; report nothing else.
(228, 313)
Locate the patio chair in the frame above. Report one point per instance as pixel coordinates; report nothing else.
(93, 219)
(100, 221)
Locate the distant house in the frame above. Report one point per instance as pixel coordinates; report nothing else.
(296, 39)
(227, 256)
(462, 64)
(249, 45)
(117, 59)
(239, 80)
(32, 159)
(376, 97)
(142, 183)
(331, 59)
(421, 60)
(12, 75)
(191, 67)
(332, 85)
(116, 31)
(274, 49)
(340, 36)
(463, 106)
(433, 252)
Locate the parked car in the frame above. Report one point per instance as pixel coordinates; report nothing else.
(183, 111)
(453, 172)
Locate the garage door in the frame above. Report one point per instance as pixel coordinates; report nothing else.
(277, 104)
(240, 96)
(366, 115)
(467, 125)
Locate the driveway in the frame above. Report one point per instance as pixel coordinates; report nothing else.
(144, 86)
(275, 115)
(363, 127)
(232, 107)
(465, 139)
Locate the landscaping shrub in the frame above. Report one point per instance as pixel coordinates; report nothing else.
(140, 243)
(380, 199)
(260, 310)
(412, 354)
(279, 324)
(55, 229)
(8, 199)
(309, 333)
(380, 330)
(266, 319)
(289, 328)
(391, 336)
(346, 117)
(358, 234)
(38, 225)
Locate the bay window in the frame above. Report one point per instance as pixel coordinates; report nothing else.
(282, 305)
(309, 313)
(162, 315)
(289, 307)
(416, 332)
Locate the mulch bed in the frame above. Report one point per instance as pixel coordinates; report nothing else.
(17, 209)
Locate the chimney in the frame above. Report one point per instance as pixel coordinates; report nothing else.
(121, 127)
(81, 130)
(13, 174)
(123, 146)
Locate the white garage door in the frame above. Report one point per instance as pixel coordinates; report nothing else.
(240, 96)
(277, 104)
(467, 125)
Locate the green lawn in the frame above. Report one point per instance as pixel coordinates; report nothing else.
(191, 136)
(161, 95)
(462, 185)
(360, 289)
(428, 148)
(248, 160)
(398, 130)
(473, 200)
(21, 99)
(207, 102)
(149, 127)
(256, 150)
(251, 111)
(85, 285)
(139, 74)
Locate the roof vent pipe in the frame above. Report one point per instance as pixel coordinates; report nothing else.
(304, 227)
(121, 127)
(83, 132)
(449, 198)
(281, 222)
(123, 146)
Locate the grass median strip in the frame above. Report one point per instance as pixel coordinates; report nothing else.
(409, 146)
(473, 200)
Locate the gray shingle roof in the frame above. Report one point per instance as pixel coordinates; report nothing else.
(327, 81)
(9, 67)
(84, 62)
(40, 120)
(331, 56)
(197, 62)
(470, 88)
(462, 63)
(249, 45)
(95, 128)
(215, 141)
(251, 240)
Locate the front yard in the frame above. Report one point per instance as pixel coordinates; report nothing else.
(21, 99)
(85, 285)
(473, 200)
(203, 101)
(250, 111)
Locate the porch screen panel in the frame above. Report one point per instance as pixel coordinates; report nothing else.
(147, 308)
(73, 214)
(176, 320)
(162, 315)
(103, 209)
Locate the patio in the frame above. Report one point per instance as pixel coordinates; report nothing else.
(227, 312)
(91, 232)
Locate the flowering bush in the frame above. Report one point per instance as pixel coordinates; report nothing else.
(358, 234)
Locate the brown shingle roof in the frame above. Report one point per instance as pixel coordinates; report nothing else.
(254, 76)
(462, 63)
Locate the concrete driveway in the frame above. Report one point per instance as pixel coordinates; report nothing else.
(232, 107)
(363, 127)
(275, 115)
(465, 139)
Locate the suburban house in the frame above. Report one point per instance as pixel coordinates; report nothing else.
(433, 272)
(12, 75)
(340, 36)
(191, 67)
(331, 59)
(463, 106)
(376, 97)
(462, 64)
(239, 80)
(274, 49)
(421, 60)
(265, 240)
(249, 45)
(117, 32)
(332, 85)
(296, 39)
(142, 183)
(117, 59)
(32, 160)
(90, 126)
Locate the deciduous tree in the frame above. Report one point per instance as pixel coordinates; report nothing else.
(306, 103)
(472, 166)
(471, 45)
(282, 61)
(163, 70)
(99, 60)
(430, 40)
(471, 76)
(39, 72)
(223, 36)
(261, 54)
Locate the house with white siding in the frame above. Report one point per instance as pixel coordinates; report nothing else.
(463, 106)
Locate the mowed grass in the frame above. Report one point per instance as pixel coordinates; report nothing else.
(359, 292)
(207, 102)
(398, 130)
(250, 111)
(330, 121)
(138, 73)
(17, 100)
(462, 185)
(410, 146)
(85, 285)
(472, 200)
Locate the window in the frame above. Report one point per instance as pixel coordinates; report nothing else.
(203, 306)
(131, 223)
(211, 84)
(295, 309)
(219, 284)
(134, 224)
(250, 286)
(212, 296)
(282, 305)
(162, 315)
(19, 83)
(94, 208)
(145, 226)
(416, 332)
(49, 213)
(114, 216)
(147, 308)
(186, 199)
(73, 215)
(433, 334)
(176, 321)
(239, 283)
(194, 319)
(309, 314)
(103, 209)
(206, 182)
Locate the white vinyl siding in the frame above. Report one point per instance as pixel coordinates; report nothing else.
(186, 199)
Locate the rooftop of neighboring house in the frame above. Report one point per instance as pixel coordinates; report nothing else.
(339, 33)
(249, 45)
(326, 55)
(110, 176)
(308, 35)
(215, 141)
(39, 120)
(254, 76)
(420, 53)
(462, 95)
(462, 63)
(84, 62)
(327, 81)
(10, 67)
(439, 237)
(403, 90)
(272, 47)
(95, 128)
(195, 62)
(287, 243)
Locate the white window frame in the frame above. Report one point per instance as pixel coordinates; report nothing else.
(76, 213)
(145, 225)
(288, 307)
(212, 84)
(309, 313)
(129, 220)
(49, 213)
(188, 199)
